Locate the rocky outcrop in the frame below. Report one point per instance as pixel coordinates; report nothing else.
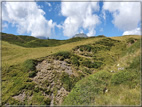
(48, 77)
(20, 97)
(81, 35)
(49, 81)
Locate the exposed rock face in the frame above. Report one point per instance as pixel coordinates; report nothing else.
(81, 35)
(20, 97)
(46, 70)
(47, 78)
(49, 81)
(61, 94)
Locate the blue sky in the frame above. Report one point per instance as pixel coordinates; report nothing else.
(62, 20)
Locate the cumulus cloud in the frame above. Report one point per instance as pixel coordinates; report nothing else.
(79, 15)
(4, 25)
(126, 15)
(28, 17)
(48, 4)
(136, 31)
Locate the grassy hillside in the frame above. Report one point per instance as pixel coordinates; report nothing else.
(77, 72)
(123, 85)
(32, 42)
(14, 54)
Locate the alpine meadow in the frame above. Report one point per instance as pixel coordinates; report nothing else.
(71, 54)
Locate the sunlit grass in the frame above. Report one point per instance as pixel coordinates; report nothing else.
(13, 54)
(16, 55)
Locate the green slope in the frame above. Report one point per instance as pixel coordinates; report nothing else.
(91, 59)
(29, 41)
(123, 85)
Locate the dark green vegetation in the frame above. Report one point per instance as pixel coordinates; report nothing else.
(111, 63)
(29, 41)
(123, 85)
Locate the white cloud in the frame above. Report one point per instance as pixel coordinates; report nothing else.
(126, 15)
(49, 4)
(28, 17)
(4, 25)
(81, 31)
(79, 15)
(136, 31)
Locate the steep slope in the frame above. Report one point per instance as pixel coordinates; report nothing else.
(74, 69)
(114, 85)
(14, 54)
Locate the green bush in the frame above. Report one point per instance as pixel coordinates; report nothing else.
(28, 80)
(81, 49)
(47, 101)
(12, 101)
(87, 63)
(131, 40)
(14, 74)
(37, 43)
(98, 64)
(85, 48)
(36, 89)
(68, 81)
(29, 65)
(46, 82)
(132, 48)
(48, 92)
(135, 64)
(85, 91)
(121, 77)
(32, 74)
(38, 99)
(30, 86)
(90, 64)
(100, 36)
(63, 54)
(23, 86)
(74, 49)
(75, 60)
(86, 71)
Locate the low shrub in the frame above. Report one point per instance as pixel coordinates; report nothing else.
(86, 71)
(32, 74)
(36, 89)
(131, 40)
(90, 64)
(86, 48)
(48, 92)
(14, 74)
(121, 77)
(75, 60)
(63, 54)
(47, 101)
(28, 80)
(23, 86)
(85, 91)
(135, 64)
(68, 81)
(30, 86)
(135, 46)
(100, 36)
(29, 65)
